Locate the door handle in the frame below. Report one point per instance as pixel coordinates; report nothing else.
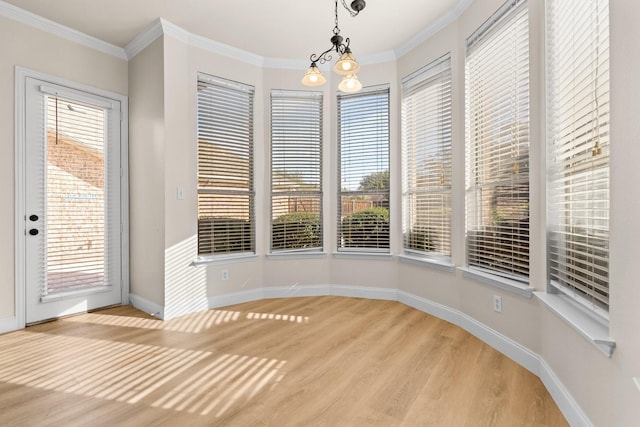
(34, 231)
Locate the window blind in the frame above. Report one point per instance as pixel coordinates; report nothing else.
(426, 159)
(226, 220)
(497, 143)
(363, 176)
(578, 148)
(78, 221)
(296, 170)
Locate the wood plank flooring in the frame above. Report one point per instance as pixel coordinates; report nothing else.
(317, 361)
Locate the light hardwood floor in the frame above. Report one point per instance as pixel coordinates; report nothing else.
(318, 361)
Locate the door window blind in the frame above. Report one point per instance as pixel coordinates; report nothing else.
(497, 146)
(226, 220)
(77, 218)
(363, 176)
(426, 159)
(296, 170)
(578, 148)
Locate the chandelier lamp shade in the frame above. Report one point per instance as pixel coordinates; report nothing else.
(346, 66)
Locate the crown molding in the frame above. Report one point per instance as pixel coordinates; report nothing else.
(432, 29)
(144, 39)
(38, 22)
(161, 27)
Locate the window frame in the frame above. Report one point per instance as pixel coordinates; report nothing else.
(238, 142)
(359, 241)
(299, 123)
(498, 245)
(589, 148)
(433, 138)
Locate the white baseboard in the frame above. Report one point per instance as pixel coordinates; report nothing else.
(236, 298)
(365, 292)
(9, 324)
(147, 306)
(568, 406)
(297, 291)
(502, 343)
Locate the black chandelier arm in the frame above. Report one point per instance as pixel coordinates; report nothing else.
(323, 57)
(338, 46)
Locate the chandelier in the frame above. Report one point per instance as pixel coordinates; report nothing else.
(346, 65)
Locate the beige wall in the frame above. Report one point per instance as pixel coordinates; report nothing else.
(147, 146)
(24, 46)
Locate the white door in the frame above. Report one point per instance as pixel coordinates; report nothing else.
(72, 201)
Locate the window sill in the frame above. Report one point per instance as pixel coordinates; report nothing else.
(498, 282)
(428, 262)
(224, 259)
(296, 255)
(594, 330)
(362, 255)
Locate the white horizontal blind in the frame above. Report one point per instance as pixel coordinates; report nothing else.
(363, 156)
(296, 170)
(497, 147)
(426, 159)
(77, 254)
(226, 220)
(578, 148)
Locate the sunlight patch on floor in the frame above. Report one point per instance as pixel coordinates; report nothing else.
(273, 316)
(184, 380)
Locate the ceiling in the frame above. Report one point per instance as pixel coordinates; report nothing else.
(288, 29)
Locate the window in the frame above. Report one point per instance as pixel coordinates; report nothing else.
(426, 159)
(296, 170)
(497, 144)
(578, 149)
(226, 223)
(363, 156)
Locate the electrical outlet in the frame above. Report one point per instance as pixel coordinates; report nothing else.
(497, 303)
(224, 274)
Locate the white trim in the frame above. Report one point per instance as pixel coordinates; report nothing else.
(498, 282)
(19, 195)
(297, 291)
(285, 255)
(9, 324)
(224, 259)
(433, 263)
(503, 344)
(38, 22)
(587, 325)
(144, 39)
(346, 254)
(236, 298)
(432, 29)
(161, 27)
(386, 294)
(147, 306)
(568, 406)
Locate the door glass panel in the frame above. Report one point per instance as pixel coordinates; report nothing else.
(75, 211)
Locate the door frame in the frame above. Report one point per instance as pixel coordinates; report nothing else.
(20, 227)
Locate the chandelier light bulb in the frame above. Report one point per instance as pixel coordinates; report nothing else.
(350, 84)
(313, 76)
(347, 64)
